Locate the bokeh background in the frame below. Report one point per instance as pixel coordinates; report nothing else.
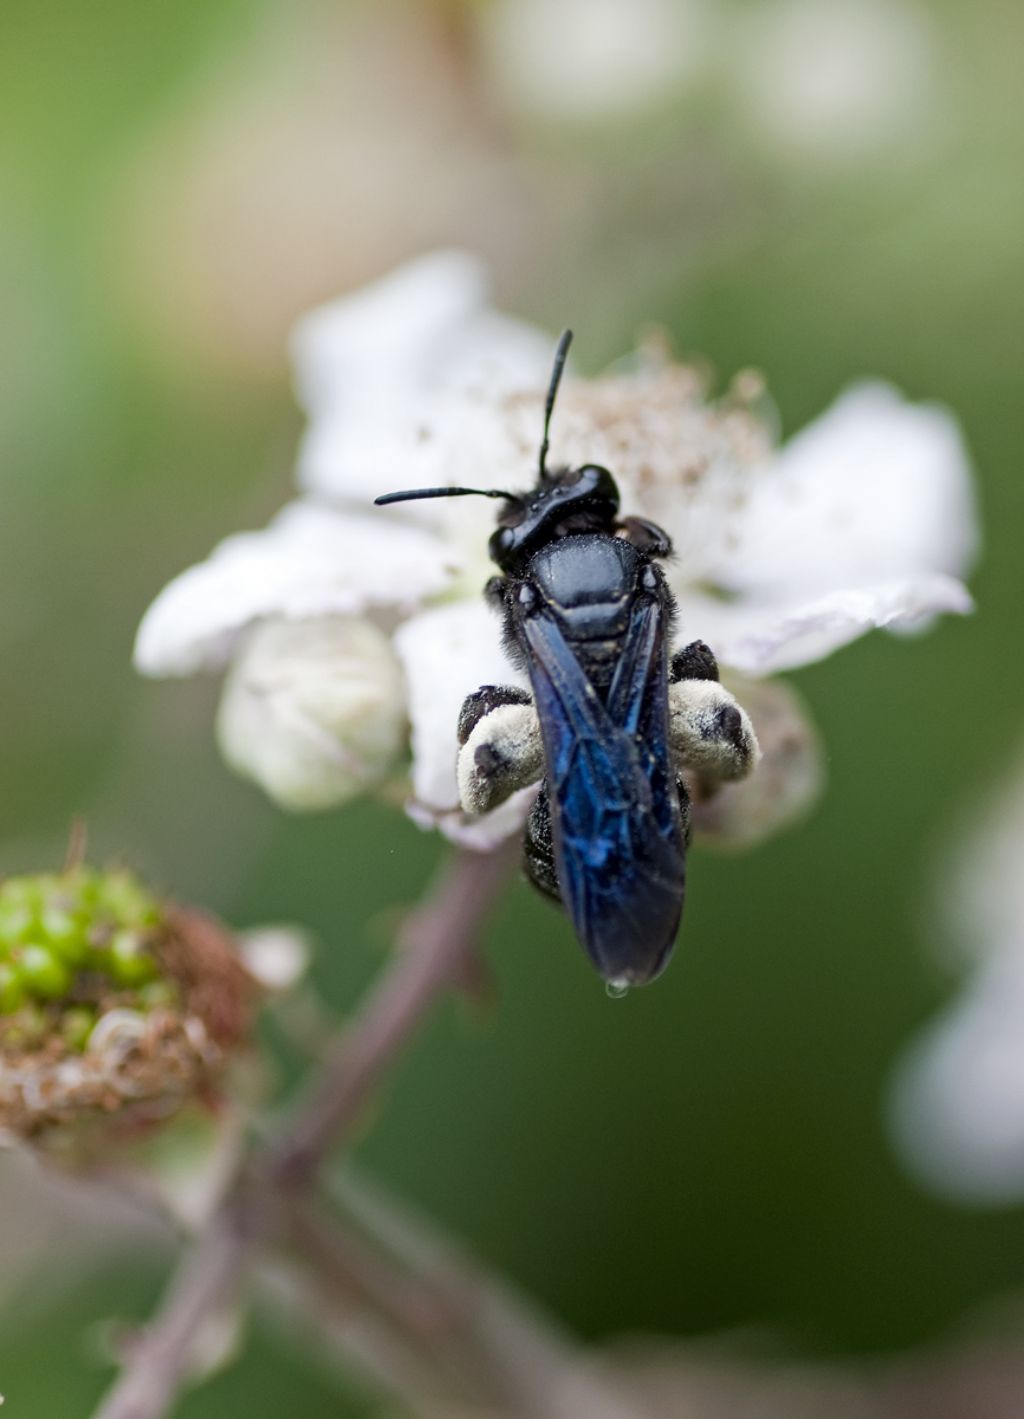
(818, 188)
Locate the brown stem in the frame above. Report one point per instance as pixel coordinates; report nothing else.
(434, 948)
(159, 1360)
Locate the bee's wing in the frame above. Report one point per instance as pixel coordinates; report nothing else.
(616, 824)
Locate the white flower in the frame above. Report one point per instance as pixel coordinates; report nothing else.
(835, 78)
(957, 1106)
(865, 519)
(595, 59)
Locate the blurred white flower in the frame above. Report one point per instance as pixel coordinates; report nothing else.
(276, 957)
(834, 76)
(957, 1104)
(865, 519)
(586, 59)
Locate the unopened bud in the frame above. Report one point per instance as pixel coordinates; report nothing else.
(313, 710)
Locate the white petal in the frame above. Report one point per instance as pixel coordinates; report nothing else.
(403, 381)
(760, 637)
(447, 653)
(276, 956)
(313, 710)
(876, 490)
(310, 561)
(482, 834)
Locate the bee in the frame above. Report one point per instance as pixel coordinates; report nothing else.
(614, 717)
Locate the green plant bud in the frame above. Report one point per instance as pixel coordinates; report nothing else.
(76, 1025)
(128, 959)
(41, 972)
(21, 891)
(126, 901)
(17, 920)
(82, 886)
(12, 989)
(62, 930)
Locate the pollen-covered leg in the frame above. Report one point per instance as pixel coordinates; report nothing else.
(501, 747)
(482, 701)
(711, 735)
(538, 848)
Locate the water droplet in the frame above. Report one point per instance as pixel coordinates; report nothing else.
(616, 989)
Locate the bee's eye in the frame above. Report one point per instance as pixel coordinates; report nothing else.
(504, 538)
(599, 483)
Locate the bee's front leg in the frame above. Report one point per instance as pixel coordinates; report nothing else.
(501, 750)
(710, 733)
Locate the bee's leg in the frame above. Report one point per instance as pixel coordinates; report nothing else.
(695, 661)
(495, 591)
(646, 537)
(711, 736)
(501, 751)
(482, 701)
(538, 850)
(684, 808)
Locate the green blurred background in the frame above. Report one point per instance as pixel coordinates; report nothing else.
(177, 183)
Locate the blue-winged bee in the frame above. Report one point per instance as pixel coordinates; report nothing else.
(614, 717)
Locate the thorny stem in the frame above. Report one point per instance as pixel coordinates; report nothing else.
(436, 945)
(159, 1360)
(408, 1312)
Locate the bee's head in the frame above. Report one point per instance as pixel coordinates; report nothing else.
(572, 500)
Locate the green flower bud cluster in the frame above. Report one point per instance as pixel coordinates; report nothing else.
(72, 939)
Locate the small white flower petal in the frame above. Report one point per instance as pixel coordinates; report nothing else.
(403, 382)
(482, 834)
(310, 561)
(313, 710)
(760, 638)
(276, 956)
(447, 653)
(875, 490)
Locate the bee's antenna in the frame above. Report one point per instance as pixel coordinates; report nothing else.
(564, 341)
(410, 494)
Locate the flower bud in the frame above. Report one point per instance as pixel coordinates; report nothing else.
(313, 710)
(115, 1009)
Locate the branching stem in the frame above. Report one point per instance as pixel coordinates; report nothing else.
(435, 949)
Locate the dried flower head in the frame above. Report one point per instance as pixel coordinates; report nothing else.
(115, 1008)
